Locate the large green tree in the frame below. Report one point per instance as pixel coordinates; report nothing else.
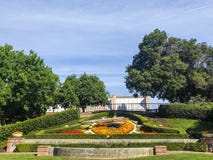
(27, 86)
(171, 68)
(68, 93)
(83, 91)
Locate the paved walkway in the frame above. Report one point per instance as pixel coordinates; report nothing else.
(176, 152)
(35, 153)
(85, 114)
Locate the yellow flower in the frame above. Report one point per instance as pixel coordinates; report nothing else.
(18, 132)
(123, 128)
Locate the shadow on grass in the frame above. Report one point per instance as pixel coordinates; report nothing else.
(195, 131)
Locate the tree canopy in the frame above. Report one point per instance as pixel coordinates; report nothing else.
(83, 91)
(68, 93)
(27, 86)
(171, 68)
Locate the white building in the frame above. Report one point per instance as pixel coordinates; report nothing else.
(129, 103)
(58, 108)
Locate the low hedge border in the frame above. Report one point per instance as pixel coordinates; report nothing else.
(39, 123)
(147, 125)
(198, 147)
(75, 124)
(116, 136)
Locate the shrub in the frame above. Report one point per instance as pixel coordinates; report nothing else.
(198, 147)
(201, 111)
(116, 136)
(74, 125)
(39, 123)
(26, 147)
(147, 125)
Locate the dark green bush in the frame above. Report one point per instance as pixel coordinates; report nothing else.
(131, 116)
(146, 125)
(26, 147)
(198, 147)
(80, 145)
(76, 124)
(201, 111)
(101, 136)
(39, 123)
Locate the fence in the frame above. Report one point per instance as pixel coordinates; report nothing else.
(146, 107)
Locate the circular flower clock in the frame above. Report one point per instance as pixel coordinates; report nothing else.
(117, 126)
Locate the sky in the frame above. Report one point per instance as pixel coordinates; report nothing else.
(98, 37)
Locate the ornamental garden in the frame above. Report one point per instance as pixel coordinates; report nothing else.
(177, 126)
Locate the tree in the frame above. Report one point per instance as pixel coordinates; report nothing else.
(171, 68)
(68, 92)
(27, 86)
(91, 91)
(83, 91)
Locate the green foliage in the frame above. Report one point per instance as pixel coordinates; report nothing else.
(80, 145)
(100, 136)
(83, 91)
(68, 92)
(91, 91)
(198, 147)
(39, 123)
(191, 111)
(3, 145)
(27, 86)
(191, 126)
(76, 124)
(171, 68)
(149, 126)
(26, 147)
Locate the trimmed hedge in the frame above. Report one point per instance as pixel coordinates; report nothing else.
(40, 123)
(75, 124)
(198, 147)
(101, 136)
(26, 147)
(147, 125)
(203, 111)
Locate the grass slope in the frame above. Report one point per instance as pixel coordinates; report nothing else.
(189, 124)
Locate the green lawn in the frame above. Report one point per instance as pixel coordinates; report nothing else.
(183, 156)
(189, 124)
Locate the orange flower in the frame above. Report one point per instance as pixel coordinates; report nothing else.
(18, 132)
(123, 126)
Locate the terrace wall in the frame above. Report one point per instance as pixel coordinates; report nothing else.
(106, 141)
(102, 153)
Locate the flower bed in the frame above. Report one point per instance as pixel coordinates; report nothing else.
(207, 134)
(109, 127)
(17, 133)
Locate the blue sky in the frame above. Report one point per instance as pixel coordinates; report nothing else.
(98, 36)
